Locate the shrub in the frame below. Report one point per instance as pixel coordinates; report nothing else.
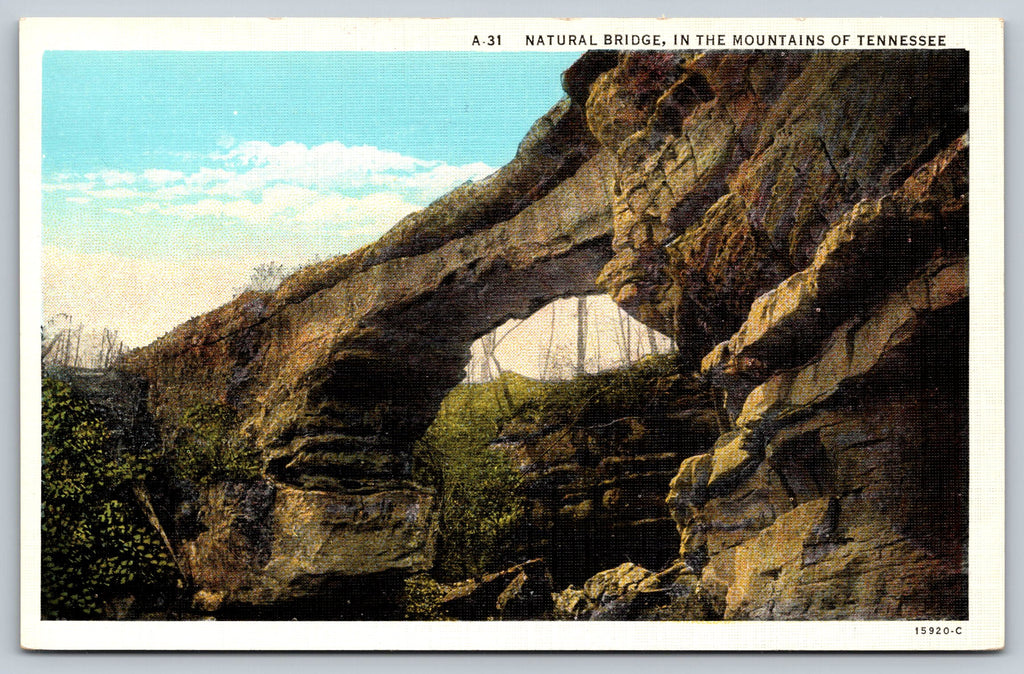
(594, 398)
(96, 543)
(421, 598)
(477, 484)
(206, 447)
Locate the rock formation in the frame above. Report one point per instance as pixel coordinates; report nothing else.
(594, 476)
(839, 186)
(796, 220)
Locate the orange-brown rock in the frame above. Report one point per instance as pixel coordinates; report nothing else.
(804, 211)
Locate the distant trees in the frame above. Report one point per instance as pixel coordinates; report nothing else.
(70, 345)
(111, 348)
(567, 338)
(581, 335)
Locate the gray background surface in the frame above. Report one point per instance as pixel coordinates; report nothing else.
(12, 659)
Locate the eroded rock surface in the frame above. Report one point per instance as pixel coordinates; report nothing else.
(594, 484)
(796, 220)
(274, 546)
(853, 504)
(821, 241)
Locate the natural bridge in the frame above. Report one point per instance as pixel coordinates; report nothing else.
(684, 185)
(338, 377)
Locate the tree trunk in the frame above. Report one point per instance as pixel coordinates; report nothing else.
(147, 507)
(652, 339)
(581, 335)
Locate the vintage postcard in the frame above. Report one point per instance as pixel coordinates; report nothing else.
(359, 334)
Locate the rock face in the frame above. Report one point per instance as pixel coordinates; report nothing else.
(594, 484)
(796, 220)
(809, 218)
(843, 491)
(278, 549)
(631, 592)
(337, 372)
(730, 167)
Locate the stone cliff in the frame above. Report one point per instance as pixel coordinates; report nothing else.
(796, 221)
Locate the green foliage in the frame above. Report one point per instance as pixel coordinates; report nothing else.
(206, 447)
(480, 506)
(478, 486)
(421, 599)
(95, 540)
(595, 398)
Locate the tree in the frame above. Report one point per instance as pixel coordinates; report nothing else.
(581, 335)
(266, 277)
(652, 340)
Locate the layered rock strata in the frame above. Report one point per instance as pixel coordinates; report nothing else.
(804, 211)
(338, 371)
(842, 493)
(594, 489)
(730, 167)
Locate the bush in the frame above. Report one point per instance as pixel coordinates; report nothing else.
(421, 598)
(206, 447)
(96, 542)
(480, 506)
(594, 398)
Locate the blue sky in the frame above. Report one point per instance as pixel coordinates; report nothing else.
(174, 173)
(126, 110)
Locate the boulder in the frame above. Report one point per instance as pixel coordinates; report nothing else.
(519, 592)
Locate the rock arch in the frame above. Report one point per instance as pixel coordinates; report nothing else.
(339, 370)
(761, 201)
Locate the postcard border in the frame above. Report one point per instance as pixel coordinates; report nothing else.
(983, 37)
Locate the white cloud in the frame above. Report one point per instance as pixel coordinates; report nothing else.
(112, 178)
(288, 188)
(123, 193)
(66, 185)
(371, 214)
(300, 209)
(336, 167)
(247, 204)
(174, 192)
(251, 168)
(162, 176)
(442, 178)
(206, 177)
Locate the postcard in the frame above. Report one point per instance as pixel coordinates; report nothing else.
(512, 334)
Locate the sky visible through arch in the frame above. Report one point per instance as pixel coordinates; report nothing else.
(169, 176)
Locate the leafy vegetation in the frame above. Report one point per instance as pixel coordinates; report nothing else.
(96, 542)
(206, 447)
(477, 485)
(590, 399)
(421, 599)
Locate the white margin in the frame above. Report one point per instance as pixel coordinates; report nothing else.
(985, 628)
